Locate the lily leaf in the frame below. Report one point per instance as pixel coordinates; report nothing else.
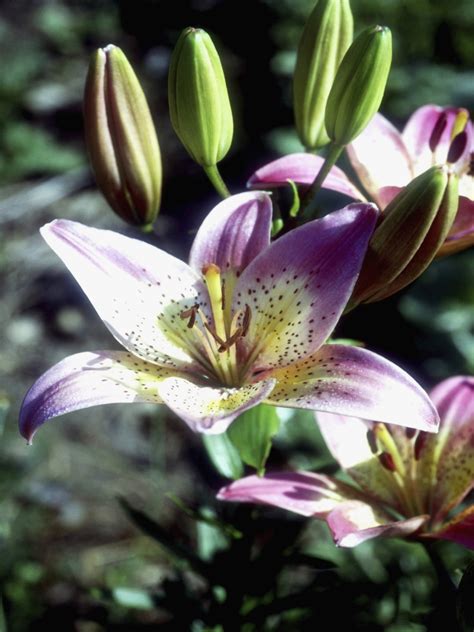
(224, 455)
(252, 433)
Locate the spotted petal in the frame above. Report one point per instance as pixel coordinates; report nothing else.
(233, 233)
(355, 522)
(452, 454)
(352, 381)
(137, 290)
(380, 158)
(303, 493)
(298, 287)
(208, 409)
(89, 379)
(302, 169)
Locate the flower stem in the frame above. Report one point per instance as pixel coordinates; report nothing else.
(215, 177)
(445, 582)
(335, 151)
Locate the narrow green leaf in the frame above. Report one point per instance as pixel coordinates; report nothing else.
(133, 598)
(3, 621)
(295, 207)
(223, 455)
(252, 434)
(464, 602)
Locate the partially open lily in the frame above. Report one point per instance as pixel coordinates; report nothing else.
(244, 323)
(404, 483)
(386, 161)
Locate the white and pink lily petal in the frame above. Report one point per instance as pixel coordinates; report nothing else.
(91, 379)
(350, 517)
(302, 169)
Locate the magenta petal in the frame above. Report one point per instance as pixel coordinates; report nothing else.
(233, 233)
(139, 291)
(355, 522)
(380, 157)
(461, 235)
(298, 287)
(351, 381)
(418, 132)
(302, 169)
(89, 379)
(460, 529)
(303, 493)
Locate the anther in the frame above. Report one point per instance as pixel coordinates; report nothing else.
(438, 130)
(419, 444)
(457, 147)
(386, 459)
(228, 343)
(372, 441)
(410, 433)
(191, 314)
(223, 293)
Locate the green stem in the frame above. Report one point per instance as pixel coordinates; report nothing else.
(335, 151)
(215, 177)
(445, 582)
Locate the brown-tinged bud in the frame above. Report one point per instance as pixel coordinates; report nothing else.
(121, 138)
(411, 230)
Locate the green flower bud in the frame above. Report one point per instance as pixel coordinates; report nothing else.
(359, 85)
(326, 37)
(121, 138)
(199, 103)
(412, 229)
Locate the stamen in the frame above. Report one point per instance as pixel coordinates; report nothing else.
(372, 441)
(419, 444)
(385, 439)
(223, 293)
(460, 123)
(191, 314)
(457, 147)
(246, 321)
(225, 346)
(386, 459)
(217, 338)
(438, 130)
(410, 433)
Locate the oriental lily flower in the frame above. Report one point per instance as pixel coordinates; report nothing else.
(244, 323)
(386, 160)
(406, 483)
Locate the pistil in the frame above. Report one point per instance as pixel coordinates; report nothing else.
(219, 338)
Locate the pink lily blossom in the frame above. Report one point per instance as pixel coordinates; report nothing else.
(405, 483)
(386, 160)
(245, 322)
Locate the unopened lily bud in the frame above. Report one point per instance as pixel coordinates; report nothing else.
(199, 103)
(121, 138)
(412, 229)
(359, 85)
(326, 37)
